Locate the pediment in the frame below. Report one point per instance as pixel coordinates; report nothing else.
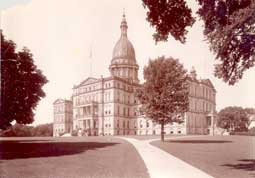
(57, 101)
(89, 80)
(208, 83)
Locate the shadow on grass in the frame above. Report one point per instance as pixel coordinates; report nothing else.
(247, 165)
(22, 149)
(199, 141)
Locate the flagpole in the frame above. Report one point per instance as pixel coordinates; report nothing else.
(90, 58)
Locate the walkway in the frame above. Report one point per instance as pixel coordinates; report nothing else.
(161, 164)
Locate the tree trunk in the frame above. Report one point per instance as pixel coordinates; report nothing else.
(162, 131)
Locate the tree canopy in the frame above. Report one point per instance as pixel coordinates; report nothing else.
(21, 85)
(229, 28)
(164, 94)
(233, 118)
(169, 17)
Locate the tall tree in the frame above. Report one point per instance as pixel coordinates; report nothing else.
(21, 85)
(233, 118)
(229, 28)
(164, 94)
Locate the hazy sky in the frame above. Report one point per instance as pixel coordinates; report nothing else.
(61, 34)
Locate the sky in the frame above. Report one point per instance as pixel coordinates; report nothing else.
(61, 34)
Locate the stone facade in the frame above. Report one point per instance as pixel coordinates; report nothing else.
(105, 106)
(108, 106)
(63, 117)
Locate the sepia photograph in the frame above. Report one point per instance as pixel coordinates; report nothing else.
(127, 89)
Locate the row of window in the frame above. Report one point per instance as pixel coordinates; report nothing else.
(86, 111)
(59, 128)
(80, 100)
(125, 98)
(202, 91)
(59, 108)
(87, 124)
(85, 89)
(200, 105)
(59, 118)
(195, 121)
(126, 111)
(98, 86)
(126, 72)
(125, 124)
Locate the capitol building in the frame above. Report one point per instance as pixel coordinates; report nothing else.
(108, 105)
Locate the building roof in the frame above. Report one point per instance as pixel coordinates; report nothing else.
(91, 80)
(193, 78)
(124, 48)
(59, 100)
(87, 81)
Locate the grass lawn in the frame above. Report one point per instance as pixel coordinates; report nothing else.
(73, 157)
(219, 156)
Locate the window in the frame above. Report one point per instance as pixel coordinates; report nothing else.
(118, 96)
(109, 96)
(89, 123)
(124, 124)
(147, 124)
(124, 111)
(95, 124)
(118, 110)
(105, 96)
